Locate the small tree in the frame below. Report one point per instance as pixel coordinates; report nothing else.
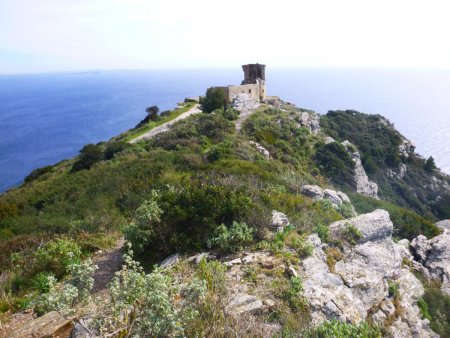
(152, 113)
(430, 165)
(213, 99)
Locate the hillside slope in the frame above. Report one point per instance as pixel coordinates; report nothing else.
(202, 185)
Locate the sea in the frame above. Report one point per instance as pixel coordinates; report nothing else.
(45, 118)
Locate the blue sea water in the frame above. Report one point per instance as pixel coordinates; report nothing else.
(46, 118)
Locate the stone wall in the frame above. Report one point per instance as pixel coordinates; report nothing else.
(255, 91)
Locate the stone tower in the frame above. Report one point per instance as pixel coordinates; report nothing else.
(253, 72)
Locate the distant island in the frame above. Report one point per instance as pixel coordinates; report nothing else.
(235, 214)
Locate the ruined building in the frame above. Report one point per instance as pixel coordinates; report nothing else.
(253, 86)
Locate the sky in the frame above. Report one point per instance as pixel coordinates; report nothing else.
(76, 35)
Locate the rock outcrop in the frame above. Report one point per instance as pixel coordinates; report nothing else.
(434, 256)
(337, 198)
(363, 184)
(444, 224)
(309, 120)
(356, 286)
(406, 148)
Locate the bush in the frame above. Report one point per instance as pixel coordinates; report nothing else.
(112, 148)
(230, 114)
(62, 298)
(144, 304)
(233, 239)
(323, 231)
(214, 99)
(89, 155)
(292, 295)
(59, 299)
(213, 273)
(36, 173)
(56, 256)
(142, 230)
(41, 283)
(335, 163)
(334, 329)
(430, 165)
(351, 234)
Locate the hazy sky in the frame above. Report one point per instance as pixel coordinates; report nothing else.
(54, 35)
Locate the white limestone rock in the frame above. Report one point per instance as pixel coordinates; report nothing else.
(363, 184)
(434, 255)
(444, 224)
(329, 140)
(358, 283)
(310, 121)
(406, 148)
(261, 149)
(374, 226)
(170, 261)
(279, 220)
(312, 191)
(332, 196)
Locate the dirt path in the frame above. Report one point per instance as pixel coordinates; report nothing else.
(242, 117)
(165, 127)
(108, 263)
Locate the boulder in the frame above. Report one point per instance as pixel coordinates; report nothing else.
(261, 149)
(244, 303)
(236, 261)
(52, 324)
(170, 261)
(279, 220)
(329, 140)
(343, 197)
(374, 226)
(332, 196)
(312, 191)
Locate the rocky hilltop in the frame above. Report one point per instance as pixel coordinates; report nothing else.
(260, 219)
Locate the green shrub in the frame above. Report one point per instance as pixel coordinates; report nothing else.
(113, 148)
(230, 114)
(40, 282)
(36, 173)
(213, 99)
(292, 295)
(56, 256)
(144, 304)
(303, 247)
(351, 234)
(346, 210)
(423, 307)
(232, 239)
(393, 290)
(59, 299)
(89, 155)
(323, 231)
(335, 163)
(337, 329)
(213, 273)
(142, 230)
